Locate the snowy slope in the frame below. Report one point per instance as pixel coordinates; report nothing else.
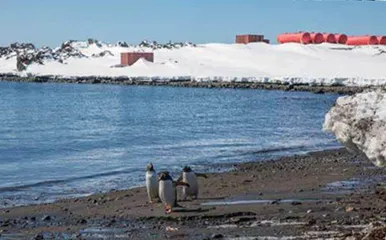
(359, 122)
(316, 64)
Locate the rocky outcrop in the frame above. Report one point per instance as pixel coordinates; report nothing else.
(16, 48)
(67, 50)
(20, 66)
(27, 53)
(359, 122)
(122, 44)
(102, 54)
(170, 45)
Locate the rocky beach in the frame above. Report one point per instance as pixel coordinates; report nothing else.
(329, 194)
(173, 120)
(187, 82)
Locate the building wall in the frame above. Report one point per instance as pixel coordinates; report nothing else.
(129, 58)
(248, 38)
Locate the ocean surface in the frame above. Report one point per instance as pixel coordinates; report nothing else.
(69, 140)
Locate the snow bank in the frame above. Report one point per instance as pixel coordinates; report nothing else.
(359, 122)
(324, 64)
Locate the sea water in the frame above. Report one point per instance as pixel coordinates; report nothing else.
(68, 140)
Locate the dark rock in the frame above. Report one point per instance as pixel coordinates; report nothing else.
(6, 223)
(82, 221)
(122, 44)
(217, 236)
(311, 222)
(19, 64)
(319, 91)
(38, 236)
(46, 218)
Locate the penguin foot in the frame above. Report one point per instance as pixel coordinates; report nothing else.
(168, 209)
(154, 201)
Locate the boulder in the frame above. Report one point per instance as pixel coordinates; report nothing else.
(359, 122)
(19, 64)
(102, 54)
(122, 44)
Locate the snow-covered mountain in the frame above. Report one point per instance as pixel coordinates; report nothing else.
(325, 64)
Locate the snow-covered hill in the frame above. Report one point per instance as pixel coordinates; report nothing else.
(359, 122)
(325, 64)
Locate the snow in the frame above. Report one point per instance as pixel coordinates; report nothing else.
(325, 64)
(359, 122)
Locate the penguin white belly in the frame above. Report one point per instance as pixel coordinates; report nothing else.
(167, 193)
(152, 185)
(191, 179)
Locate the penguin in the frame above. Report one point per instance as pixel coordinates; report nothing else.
(168, 191)
(151, 183)
(190, 177)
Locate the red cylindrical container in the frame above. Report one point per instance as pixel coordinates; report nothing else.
(341, 38)
(382, 40)
(362, 40)
(301, 37)
(329, 38)
(317, 38)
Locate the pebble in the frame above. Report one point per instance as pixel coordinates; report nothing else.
(82, 221)
(217, 236)
(39, 236)
(46, 218)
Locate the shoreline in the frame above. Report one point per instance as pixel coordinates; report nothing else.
(277, 195)
(187, 82)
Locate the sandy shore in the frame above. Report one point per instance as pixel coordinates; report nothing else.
(298, 196)
(184, 83)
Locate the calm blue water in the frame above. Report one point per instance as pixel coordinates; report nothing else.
(66, 140)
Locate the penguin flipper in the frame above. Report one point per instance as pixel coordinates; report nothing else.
(179, 178)
(180, 183)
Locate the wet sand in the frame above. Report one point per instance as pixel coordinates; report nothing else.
(299, 196)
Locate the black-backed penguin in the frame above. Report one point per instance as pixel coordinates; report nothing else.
(190, 177)
(151, 183)
(168, 191)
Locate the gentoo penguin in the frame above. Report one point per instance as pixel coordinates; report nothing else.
(151, 183)
(190, 177)
(168, 191)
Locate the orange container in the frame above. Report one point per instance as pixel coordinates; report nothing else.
(300, 37)
(341, 38)
(362, 40)
(329, 38)
(382, 40)
(317, 38)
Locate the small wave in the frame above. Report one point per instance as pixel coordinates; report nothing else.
(278, 149)
(61, 181)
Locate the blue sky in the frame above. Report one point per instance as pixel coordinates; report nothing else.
(50, 22)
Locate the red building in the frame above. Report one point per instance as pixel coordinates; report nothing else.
(248, 38)
(129, 58)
